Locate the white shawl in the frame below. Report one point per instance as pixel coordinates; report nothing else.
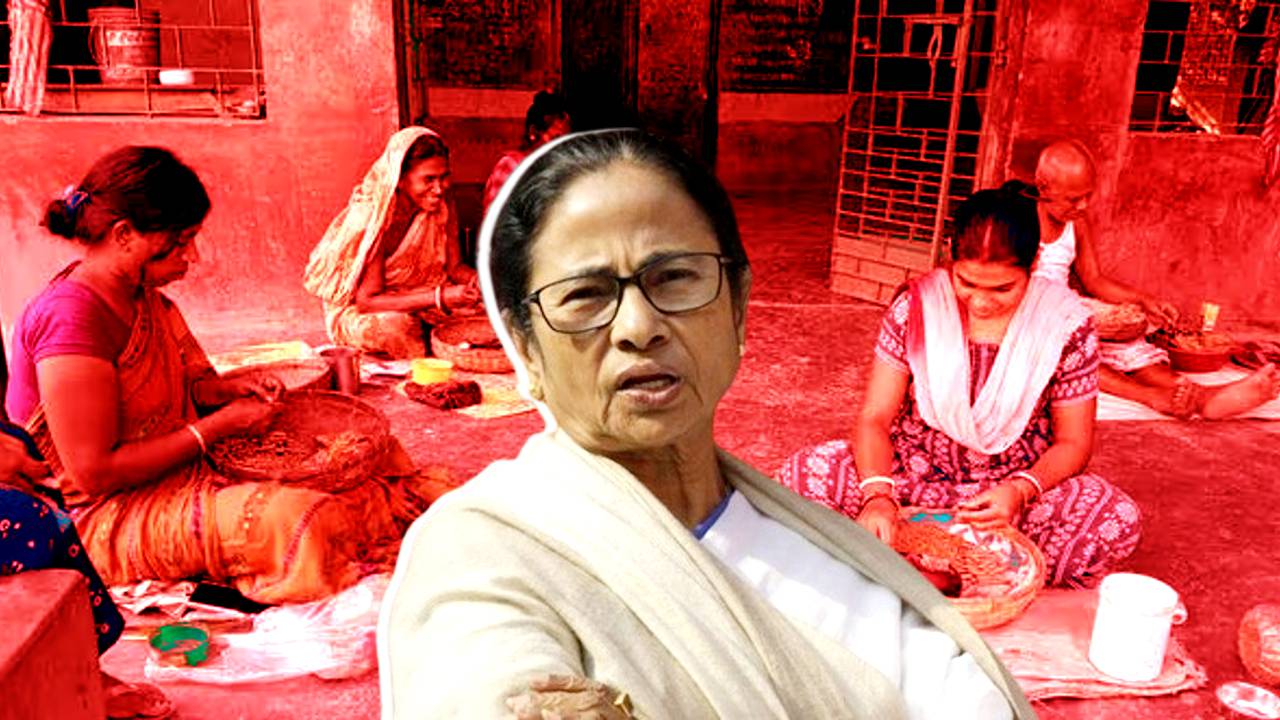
(938, 354)
(590, 517)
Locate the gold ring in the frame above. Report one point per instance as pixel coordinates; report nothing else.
(623, 703)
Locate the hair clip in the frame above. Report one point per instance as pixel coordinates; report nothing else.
(73, 198)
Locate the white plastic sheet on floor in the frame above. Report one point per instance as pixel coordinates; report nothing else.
(1111, 407)
(331, 638)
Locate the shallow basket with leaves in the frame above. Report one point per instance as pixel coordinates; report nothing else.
(996, 573)
(322, 439)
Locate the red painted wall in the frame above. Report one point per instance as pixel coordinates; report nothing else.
(1181, 216)
(275, 183)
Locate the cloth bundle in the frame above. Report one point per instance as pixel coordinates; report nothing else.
(448, 395)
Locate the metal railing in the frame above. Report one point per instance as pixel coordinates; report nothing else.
(217, 62)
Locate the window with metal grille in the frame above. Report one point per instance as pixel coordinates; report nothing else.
(1207, 66)
(158, 58)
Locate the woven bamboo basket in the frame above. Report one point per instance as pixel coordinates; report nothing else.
(1117, 323)
(1259, 643)
(455, 342)
(320, 439)
(1001, 571)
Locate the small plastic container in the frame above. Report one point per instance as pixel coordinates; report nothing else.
(429, 371)
(177, 77)
(1249, 701)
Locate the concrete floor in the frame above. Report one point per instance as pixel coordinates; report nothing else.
(1204, 488)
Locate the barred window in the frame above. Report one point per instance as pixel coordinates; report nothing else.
(159, 58)
(1207, 66)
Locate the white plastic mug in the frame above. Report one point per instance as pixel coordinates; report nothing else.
(1131, 627)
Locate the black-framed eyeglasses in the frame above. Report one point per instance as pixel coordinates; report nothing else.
(672, 284)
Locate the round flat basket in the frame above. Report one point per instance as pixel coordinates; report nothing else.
(323, 439)
(1117, 323)
(470, 344)
(306, 374)
(999, 571)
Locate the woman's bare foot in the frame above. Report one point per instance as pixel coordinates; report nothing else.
(134, 700)
(1181, 400)
(1242, 395)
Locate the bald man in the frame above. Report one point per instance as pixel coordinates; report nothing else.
(1065, 182)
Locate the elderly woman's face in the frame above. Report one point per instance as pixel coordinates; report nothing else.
(426, 183)
(648, 379)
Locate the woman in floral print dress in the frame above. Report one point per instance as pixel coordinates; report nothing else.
(981, 399)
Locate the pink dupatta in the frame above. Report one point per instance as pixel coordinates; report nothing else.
(937, 352)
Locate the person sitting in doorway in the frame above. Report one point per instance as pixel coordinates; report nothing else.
(546, 120)
(390, 261)
(1137, 370)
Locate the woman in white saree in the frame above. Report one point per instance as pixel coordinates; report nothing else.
(622, 565)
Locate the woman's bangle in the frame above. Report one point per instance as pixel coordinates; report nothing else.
(440, 300)
(877, 496)
(1035, 482)
(893, 484)
(195, 433)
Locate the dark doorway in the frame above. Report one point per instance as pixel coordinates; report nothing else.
(598, 61)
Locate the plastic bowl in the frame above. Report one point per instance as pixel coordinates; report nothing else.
(1249, 701)
(428, 371)
(180, 643)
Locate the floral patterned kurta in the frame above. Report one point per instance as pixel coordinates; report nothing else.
(1084, 525)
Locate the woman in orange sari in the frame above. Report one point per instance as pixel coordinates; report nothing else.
(124, 404)
(390, 261)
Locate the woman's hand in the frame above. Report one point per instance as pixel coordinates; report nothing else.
(998, 506)
(267, 388)
(215, 391)
(246, 416)
(1159, 312)
(879, 516)
(569, 697)
(460, 296)
(17, 468)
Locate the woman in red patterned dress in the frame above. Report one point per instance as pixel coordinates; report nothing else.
(981, 399)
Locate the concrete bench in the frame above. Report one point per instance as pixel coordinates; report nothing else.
(48, 649)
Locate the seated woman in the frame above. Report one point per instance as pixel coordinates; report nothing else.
(546, 120)
(390, 260)
(124, 404)
(623, 560)
(981, 398)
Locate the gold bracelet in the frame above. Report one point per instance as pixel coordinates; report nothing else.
(195, 432)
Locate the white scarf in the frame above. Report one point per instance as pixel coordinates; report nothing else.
(938, 354)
